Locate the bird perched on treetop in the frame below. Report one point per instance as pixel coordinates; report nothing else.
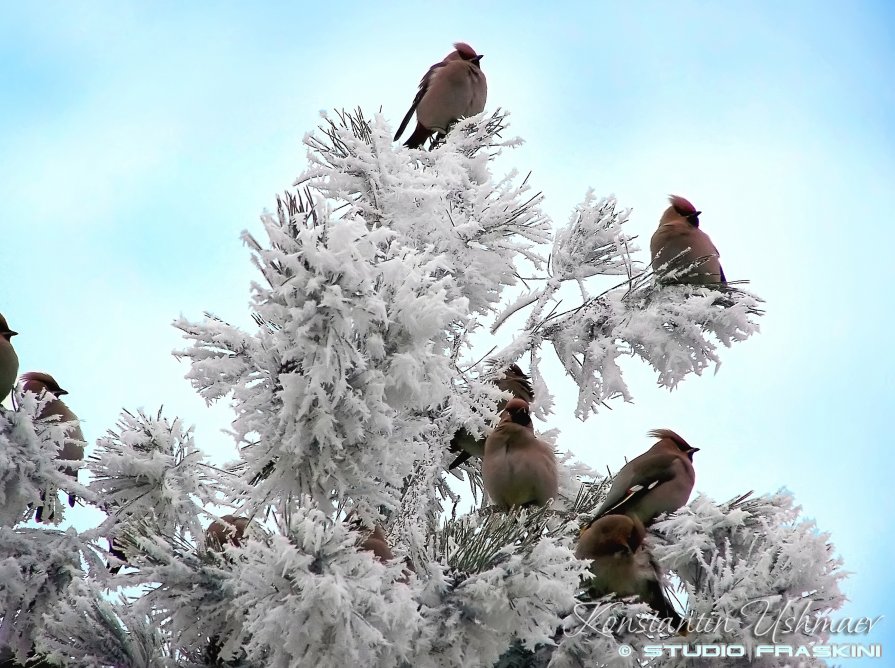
(514, 381)
(518, 468)
(658, 481)
(9, 361)
(73, 445)
(452, 89)
(622, 565)
(679, 242)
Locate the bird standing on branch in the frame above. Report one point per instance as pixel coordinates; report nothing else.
(518, 468)
(452, 89)
(658, 481)
(679, 243)
(73, 445)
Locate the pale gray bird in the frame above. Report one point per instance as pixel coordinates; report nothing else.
(518, 468)
(679, 242)
(622, 565)
(9, 361)
(452, 89)
(514, 381)
(658, 481)
(73, 445)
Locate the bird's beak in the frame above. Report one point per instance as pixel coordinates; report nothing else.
(694, 449)
(9, 334)
(698, 213)
(478, 57)
(60, 392)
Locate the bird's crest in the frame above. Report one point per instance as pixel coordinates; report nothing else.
(466, 52)
(667, 433)
(685, 208)
(42, 378)
(682, 205)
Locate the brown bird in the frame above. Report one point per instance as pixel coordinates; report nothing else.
(514, 381)
(518, 468)
(9, 361)
(229, 529)
(377, 543)
(658, 481)
(679, 242)
(452, 89)
(622, 565)
(73, 445)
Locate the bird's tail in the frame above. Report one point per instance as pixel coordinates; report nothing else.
(418, 138)
(664, 609)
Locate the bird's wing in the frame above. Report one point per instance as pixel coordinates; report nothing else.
(651, 471)
(467, 445)
(425, 82)
(462, 458)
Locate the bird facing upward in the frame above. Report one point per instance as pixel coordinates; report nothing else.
(73, 445)
(680, 243)
(9, 361)
(514, 381)
(452, 89)
(658, 481)
(518, 468)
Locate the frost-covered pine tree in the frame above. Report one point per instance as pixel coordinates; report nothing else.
(384, 273)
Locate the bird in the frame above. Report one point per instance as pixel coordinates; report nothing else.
(518, 468)
(377, 543)
(519, 385)
(9, 361)
(679, 243)
(228, 529)
(73, 445)
(658, 481)
(452, 89)
(621, 564)
(116, 549)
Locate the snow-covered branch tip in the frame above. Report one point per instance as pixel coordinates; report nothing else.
(150, 467)
(594, 242)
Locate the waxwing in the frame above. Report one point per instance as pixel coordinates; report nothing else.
(452, 89)
(679, 243)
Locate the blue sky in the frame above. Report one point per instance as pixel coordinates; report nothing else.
(138, 140)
